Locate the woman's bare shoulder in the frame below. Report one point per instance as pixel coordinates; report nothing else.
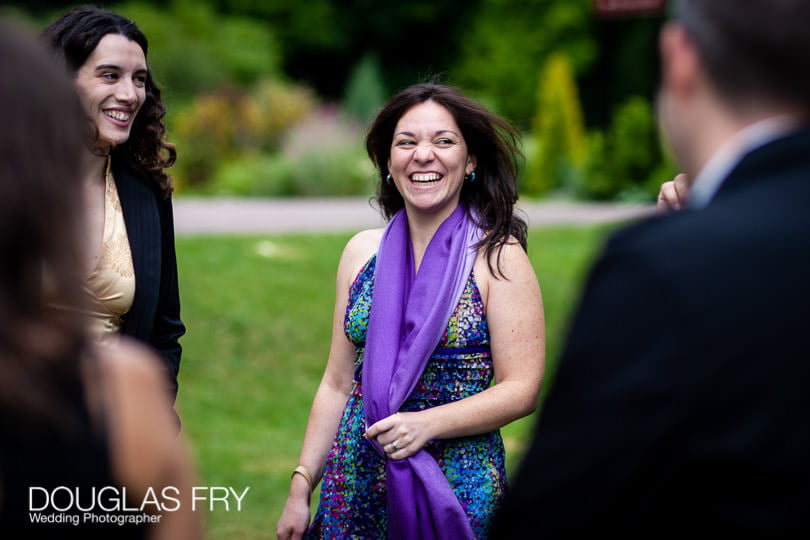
(501, 259)
(365, 243)
(358, 251)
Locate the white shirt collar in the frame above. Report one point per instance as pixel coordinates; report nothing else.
(720, 165)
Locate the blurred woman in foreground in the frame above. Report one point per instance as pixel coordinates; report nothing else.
(86, 432)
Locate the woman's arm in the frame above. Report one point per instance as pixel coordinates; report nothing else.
(514, 309)
(332, 394)
(146, 451)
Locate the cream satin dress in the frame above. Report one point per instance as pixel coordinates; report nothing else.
(111, 284)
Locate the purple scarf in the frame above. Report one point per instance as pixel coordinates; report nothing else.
(408, 317)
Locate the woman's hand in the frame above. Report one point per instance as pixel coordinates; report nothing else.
(294, 518)
(673, 194)
(402, 434)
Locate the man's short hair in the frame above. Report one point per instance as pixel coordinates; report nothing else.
(752, 50)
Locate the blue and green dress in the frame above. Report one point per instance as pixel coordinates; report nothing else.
(353, 493)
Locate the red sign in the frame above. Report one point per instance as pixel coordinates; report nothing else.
(628, 7)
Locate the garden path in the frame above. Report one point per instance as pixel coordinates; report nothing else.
(271, 216)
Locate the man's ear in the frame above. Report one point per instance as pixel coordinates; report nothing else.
(680, 61)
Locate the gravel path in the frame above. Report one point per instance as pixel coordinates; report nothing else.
(263, 216)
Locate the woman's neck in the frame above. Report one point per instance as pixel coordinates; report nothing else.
(422, 227)
(95, 166)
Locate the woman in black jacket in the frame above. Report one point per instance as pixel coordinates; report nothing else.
(131, 267)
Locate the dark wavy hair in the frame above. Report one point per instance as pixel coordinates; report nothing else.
(41, 160)
(493, 140)
(73, 37)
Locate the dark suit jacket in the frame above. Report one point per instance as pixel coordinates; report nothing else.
(682, 401)
(155, 314)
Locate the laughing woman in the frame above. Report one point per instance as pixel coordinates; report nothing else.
(404, 427)
(131, 266)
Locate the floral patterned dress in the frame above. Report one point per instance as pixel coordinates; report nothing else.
(353, 493)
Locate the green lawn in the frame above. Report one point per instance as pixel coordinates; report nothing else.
(258, 313)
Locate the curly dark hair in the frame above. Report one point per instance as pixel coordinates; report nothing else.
(73, 37)
(493, 140)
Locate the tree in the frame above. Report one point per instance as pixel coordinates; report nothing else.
(323, 40)
(508, 39)
(558, 128)
(365, 92)
(627, 161)
(194, 48)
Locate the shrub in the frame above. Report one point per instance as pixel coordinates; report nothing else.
(258, 174)
(193, 48)
(627, 161)
(232, 124)
(204, 135)
(503, 40)
(322, 156)
(600, 180)
(558, 130)
(365, 91)
(274, 107)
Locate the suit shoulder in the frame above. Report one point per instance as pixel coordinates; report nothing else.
(649, 233)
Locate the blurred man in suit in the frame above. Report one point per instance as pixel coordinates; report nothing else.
(682, 399)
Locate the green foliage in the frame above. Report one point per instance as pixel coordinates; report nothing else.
(206, 53)
(365, 91)
(324, 39)
(626, 162)
(307, 25)
(322, 156)
(204, 134)
(259, 316)
(508, 39)
(559, 131)
(271, 109)
(600, 180)
(192, 48)
(233, 124)
(490, 48)
(627, 64)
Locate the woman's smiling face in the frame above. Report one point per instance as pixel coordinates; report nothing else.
(112, 87)
(429, 158)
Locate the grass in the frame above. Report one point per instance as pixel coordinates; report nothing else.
(258, 312)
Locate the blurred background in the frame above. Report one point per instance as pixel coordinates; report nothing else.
(271, 98)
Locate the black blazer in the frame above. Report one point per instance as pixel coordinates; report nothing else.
(681, 406)
(155, 314)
